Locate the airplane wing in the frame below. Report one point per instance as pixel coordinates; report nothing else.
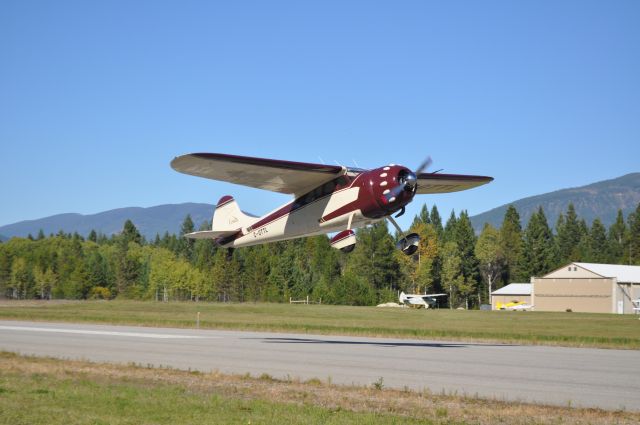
(408, 297)
(295, 178)
(445, 183)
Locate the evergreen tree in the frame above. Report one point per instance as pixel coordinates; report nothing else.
(634, 236)
(617, 240)
(424, 214)
(539, 252)
(40, 235)
(256, 272)
(569, 236)
(465, 237)
(511, 245)
(583, 249)
(449, 232)
(281, 268)
(93, 236)
(436, 221)
(374, 258)
(185, 245)
(96, 269)
(128, 267)
(130, 233)
(598, 246)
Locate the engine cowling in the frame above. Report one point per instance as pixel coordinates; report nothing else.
(386, 190)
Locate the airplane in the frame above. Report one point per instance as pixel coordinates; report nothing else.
(419, 300)
(514, 306)
(326, 198)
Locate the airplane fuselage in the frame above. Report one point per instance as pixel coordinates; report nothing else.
(350, 201)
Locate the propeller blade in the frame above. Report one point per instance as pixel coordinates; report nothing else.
(425, 164)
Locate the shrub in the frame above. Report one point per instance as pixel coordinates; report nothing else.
(100, 293)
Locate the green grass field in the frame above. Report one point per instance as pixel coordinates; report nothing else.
(48, 391)
(568, 329)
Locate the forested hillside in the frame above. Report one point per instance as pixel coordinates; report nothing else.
(451, 259)
(600, 200)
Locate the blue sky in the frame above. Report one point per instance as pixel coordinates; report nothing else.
(97, 97)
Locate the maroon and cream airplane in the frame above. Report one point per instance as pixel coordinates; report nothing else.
(326, 198)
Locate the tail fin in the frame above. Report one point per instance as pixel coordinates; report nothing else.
(403, 297)
(228, 217)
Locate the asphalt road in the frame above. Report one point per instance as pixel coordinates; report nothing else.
(608, 379)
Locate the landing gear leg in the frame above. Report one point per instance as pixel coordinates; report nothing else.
(408, 244)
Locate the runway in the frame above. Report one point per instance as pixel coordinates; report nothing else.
(609, 379)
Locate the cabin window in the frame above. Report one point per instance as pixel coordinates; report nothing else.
(341, 181)
(328, 187)
(321, 191)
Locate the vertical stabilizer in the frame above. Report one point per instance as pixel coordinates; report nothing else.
(402, 298)
(228, 217)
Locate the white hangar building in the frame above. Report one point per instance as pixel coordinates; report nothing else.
(588, 287)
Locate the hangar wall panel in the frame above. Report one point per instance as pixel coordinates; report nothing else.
(589, 295)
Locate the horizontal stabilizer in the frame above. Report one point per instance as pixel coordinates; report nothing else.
(209, 234)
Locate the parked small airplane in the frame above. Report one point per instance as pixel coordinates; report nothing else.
(326, 198)
(420, 300)
(514, 306)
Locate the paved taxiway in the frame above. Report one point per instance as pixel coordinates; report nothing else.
(578, 376)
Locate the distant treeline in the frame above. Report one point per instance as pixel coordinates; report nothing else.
(451, 259)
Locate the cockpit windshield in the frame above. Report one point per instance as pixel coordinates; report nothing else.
(352, 171)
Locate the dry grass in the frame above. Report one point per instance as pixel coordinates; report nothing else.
(405, 405)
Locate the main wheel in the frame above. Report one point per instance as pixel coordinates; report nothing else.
(409, 244)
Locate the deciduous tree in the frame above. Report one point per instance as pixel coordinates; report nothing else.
(490, 256)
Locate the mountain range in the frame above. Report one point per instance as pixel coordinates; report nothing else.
(601, 199)
(149, 221)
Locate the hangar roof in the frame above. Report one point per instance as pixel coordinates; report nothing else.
(514, 289)
(626, 274)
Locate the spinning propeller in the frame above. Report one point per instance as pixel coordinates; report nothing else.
(408, 181)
